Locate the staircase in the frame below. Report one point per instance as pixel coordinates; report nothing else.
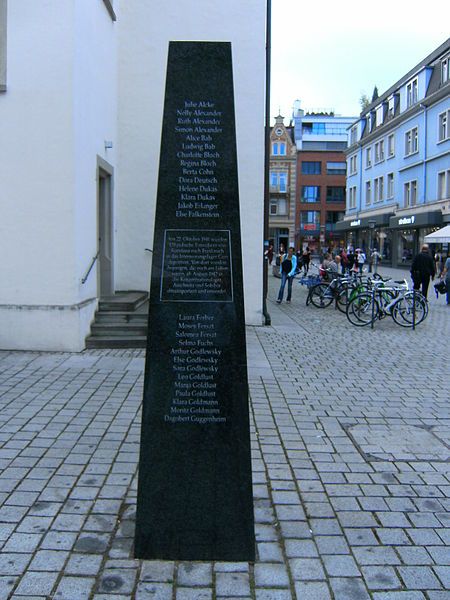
(120, 321)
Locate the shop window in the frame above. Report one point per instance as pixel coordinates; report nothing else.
(310, 217)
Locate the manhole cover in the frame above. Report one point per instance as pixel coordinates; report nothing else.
(398, 442)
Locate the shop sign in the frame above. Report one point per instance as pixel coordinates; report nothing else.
(355, 223)
(407, 221)
(309, 227)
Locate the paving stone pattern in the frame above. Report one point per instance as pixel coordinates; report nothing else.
(350, 447)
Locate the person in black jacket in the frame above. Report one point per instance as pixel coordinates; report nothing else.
(422, 268)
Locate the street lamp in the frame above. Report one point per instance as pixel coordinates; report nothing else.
(371, 228)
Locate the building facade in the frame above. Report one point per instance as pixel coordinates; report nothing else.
(282, 182)
(321, 140)
(81, 104)
(398, 163)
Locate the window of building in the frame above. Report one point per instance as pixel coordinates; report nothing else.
(278, 181)
(443, 126)
(337, 168)
(353, 135)
(390, 185)
(378, 189)
(278, 149)
(352, 165)
(368, 193)
(352, 197)
(410, 193)
(333, 216)
(444, 185)
(2, 45)
(412, 141)
(379, 112)
(379, 151)
(368, 157)
(310, 217)
(335, 193)
(411, 92)
(391, 145)
(445, 69)
(311, 168)
(278, 206)
(310, 193)
(391, 107)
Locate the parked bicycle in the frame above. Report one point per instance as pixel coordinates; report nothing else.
(407, 307)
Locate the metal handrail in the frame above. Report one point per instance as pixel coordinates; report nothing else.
(84, 279)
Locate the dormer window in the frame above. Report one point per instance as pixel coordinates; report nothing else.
(411, 92)
(445, 69)
(353, 135)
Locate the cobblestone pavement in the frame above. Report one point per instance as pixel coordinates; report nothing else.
(350, 438)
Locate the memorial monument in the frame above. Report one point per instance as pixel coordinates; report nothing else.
(195, 490)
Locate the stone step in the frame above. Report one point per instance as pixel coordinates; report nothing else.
(116, 341)
(113, 329)
(122, 302)
(121, 317)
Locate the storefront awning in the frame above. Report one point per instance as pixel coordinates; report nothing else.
(363, 222)
(412, 221)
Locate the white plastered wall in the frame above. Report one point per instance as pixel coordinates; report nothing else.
(54, 120)
(145, 31)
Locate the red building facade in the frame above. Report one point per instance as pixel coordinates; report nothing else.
(320, 199)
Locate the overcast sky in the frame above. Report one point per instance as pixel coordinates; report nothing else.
(327, 54)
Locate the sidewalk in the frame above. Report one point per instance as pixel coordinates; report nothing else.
(350, 441)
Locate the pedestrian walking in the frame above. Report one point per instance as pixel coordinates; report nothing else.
(445, 275)
(439, 263)
(344, 261)
(306, 259)
(288, 267)
(360, 260)
(350, 259)
(269, 254)
(422, 269)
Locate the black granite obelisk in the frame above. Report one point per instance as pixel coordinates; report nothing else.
(195, 490)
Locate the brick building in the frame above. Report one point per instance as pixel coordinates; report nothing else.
(282, 184)
(321, 140)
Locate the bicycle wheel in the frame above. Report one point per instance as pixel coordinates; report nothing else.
(343, 297)
(409, 309)
(320, 295)
(363, 309)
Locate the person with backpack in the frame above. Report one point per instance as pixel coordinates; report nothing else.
(422, 269)
(288, 268)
